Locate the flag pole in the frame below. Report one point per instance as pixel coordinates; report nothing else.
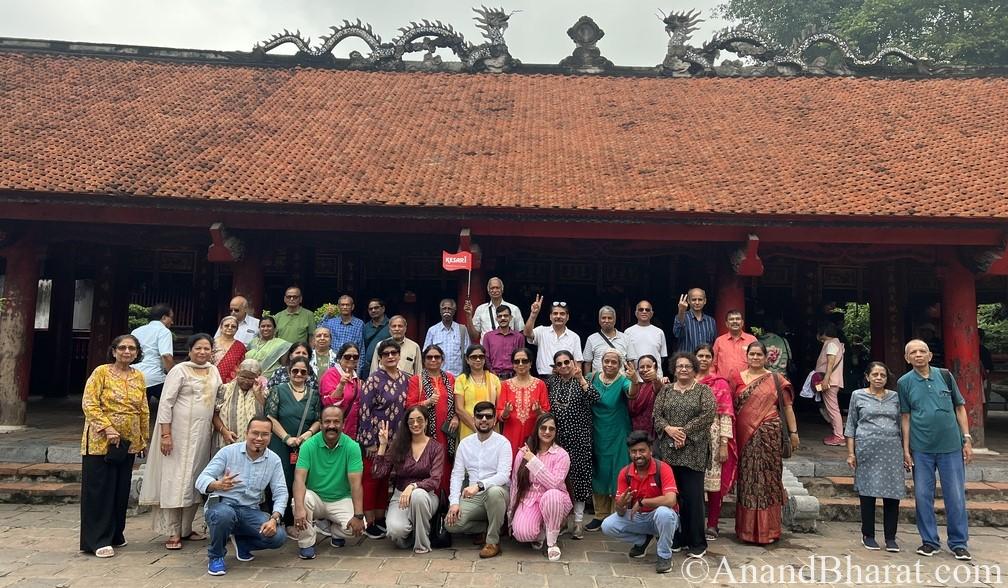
(469, 285)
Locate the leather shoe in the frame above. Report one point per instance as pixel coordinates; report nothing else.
(479, 539)
(490, 550)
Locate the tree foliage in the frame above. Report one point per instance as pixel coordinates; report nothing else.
(969, 32)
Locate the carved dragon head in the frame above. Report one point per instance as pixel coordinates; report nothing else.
(681, 25)
(492, 21)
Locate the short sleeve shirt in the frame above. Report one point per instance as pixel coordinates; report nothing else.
(931, 405)
(646, 486)
(155, 341)
(546, 338)
(328, 468)
(596, 346)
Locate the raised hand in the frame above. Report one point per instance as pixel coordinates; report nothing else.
(537, 304)
(383, 433)
(468, 308)
(630, 371)
(527, 454)
(508, 407)
(228, 481)
(683, 303)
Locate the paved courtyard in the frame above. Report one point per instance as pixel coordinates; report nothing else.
(40, 549)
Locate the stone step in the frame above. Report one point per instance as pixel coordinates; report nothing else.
(31, 492)
(40, 472)
(848, 509)
(843, 486)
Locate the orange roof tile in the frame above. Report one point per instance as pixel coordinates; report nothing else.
(801, 146)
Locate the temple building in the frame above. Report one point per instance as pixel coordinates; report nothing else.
(782, 184)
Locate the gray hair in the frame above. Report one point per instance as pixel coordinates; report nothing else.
(250, 365)
(606, 309)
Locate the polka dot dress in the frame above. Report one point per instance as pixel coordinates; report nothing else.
(572, 408)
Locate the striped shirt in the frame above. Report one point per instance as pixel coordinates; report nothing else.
(352, 332)
(692, 332)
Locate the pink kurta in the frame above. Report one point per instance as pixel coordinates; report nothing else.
(546, 502)
(346, 397)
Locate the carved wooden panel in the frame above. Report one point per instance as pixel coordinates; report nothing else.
(846, 278)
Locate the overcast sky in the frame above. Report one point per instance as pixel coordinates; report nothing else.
(633, 33)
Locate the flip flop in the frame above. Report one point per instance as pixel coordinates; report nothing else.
(194, 536)
(173, 545)
(106, 551)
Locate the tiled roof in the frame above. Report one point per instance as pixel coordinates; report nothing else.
(805, 146)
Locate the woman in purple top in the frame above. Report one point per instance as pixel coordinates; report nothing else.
(416, 462)
(642, 404)
(383, 400)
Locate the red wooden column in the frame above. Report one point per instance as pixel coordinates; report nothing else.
(962, 346)
(730, 296)
(248, 280)
(17, 328)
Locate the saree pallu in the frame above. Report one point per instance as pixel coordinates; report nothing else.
(723, 394)
(227, 363)
(759, 490)
(267, 353)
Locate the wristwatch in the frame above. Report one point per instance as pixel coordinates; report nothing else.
(359, 516)
(276, 517)
(480, 486)
(968, 437)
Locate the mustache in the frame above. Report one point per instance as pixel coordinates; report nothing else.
(327, 429)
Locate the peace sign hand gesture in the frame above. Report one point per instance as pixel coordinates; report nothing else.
(383, 433)
(630, 371)
(683, 303)
(537, 304)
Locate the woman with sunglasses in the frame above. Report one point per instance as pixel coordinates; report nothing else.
(476, 384)
(434, 389)
(521, 399)
(540, 501)
(341, 386)
(294, 408)
(571, 398)
(382, 400)
(281, 376)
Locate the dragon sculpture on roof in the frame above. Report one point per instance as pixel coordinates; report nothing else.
(428, 36)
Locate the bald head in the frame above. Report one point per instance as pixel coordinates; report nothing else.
(239, 308)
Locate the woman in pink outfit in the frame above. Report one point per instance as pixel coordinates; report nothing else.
(720, 476)
(539, 495)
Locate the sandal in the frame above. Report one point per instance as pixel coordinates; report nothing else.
(421, 550)
(711, 534)
(553, 553)
(173, 544)
(194, 536)
(106, 551)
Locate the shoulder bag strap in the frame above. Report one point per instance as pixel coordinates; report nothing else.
(780, 397)
(610, 343)
(304, 414)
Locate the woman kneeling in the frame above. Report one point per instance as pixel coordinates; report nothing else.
(539, 488)
(416, 462)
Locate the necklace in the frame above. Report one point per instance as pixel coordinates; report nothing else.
(608, 382)
(481, 381)
(296, 391)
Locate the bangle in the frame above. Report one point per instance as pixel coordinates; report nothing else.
(286, 437)
(163, 435)
(793, 432)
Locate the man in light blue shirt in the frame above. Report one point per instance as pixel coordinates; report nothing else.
(235, 480)
(156, 343)
(451, 337)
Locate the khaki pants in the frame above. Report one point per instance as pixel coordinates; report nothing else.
(486, 511)
(603, 505)
(338, 512)
(415, 518)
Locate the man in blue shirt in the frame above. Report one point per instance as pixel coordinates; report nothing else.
(235, 480)
(156, 343)
(345, 327)
(935, 437)
(691, 326)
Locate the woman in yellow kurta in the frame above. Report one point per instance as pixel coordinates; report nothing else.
(184, 426)
(116, 415)
(475, 384)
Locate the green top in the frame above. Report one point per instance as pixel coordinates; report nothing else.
(295, 327)
(612, 425)
(328, 468)
(931, 404)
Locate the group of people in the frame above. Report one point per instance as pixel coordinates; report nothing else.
(360, 432)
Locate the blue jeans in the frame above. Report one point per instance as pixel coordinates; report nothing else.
(952, 472)
(662, 521)
(229, 518)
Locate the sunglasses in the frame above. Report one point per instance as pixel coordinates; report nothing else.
(521, 361)
(297, 372)
(433, 357)
(292, 296)
(547, 428)
(350, 357)
(484, 416)
(475, 356)
(644, 309)
(564, 362)
(125, 348)
(389, 353)
(560, 303)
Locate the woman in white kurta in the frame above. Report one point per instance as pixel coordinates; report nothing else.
(184, 427)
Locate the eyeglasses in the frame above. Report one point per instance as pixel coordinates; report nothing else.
(433, 357)
(560, 303)
(564, 362)
(235, 310)
(475, 356)
(389, 353)
(683, 367)
(125, 348)
(521, 361)
(351, 357)
(483, 416)
(292, 296)
(645, 309)
(299, 372)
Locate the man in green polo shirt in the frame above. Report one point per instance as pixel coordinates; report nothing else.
(295, 323)
(327, 485)
(935, 437)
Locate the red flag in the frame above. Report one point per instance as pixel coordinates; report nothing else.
(456, 261)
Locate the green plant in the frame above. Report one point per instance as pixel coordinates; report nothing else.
(324, 311)
(993, 319)
(857, 324)
(138, 316)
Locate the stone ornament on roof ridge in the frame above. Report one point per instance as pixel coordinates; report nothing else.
(682, 59)
(428, 36)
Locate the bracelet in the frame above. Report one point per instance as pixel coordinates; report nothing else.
(793, 432)
(165, 435)
(286, 437)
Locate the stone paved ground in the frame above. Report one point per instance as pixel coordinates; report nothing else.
(39, 548)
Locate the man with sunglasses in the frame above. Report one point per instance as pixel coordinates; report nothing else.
(294, 323)
(645, 338)
(484, 459)
(248, 325)
(409, 350)
(556, 337)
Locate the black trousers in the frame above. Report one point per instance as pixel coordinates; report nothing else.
(691, 508)
(890, 516)
(105, 490)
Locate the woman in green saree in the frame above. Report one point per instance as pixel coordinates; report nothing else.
(267, 348)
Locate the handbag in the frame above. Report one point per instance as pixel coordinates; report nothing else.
(785, 439)
(451, 437)
(118, 454)
(440, 538)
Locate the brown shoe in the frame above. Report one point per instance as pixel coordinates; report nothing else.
(479, 539)
(490, 550)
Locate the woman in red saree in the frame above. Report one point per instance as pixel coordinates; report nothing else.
(758, 430)
(720, 475)
(228, 352)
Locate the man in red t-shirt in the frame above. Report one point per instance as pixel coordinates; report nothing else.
(645, 503)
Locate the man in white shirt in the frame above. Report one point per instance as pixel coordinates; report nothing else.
(485, 458)
(607, 337)
(248, 325)
(645, 338)
(156, 343)
(409, 350)
(484, 318)
(556, 337)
